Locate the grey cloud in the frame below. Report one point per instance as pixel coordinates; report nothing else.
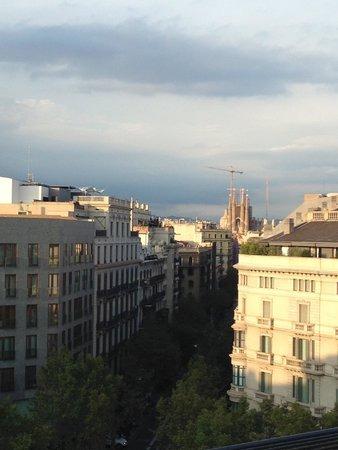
(136, 56)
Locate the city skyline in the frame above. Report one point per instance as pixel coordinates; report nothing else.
(139, 100)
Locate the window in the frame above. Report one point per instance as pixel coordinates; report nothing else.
(243, 280)
(117, 229)
(303, 389)
(54, 255)
(104, 254)
(7, 317)
(69, 310)
(53, 284)
(52, 343)
(266, 309)
(302, 285)
(7, 348)
(191, 283)
(265, 382)
(76, 281)
(31, 346)
(266, 282)
(30, 377)
(8, 255)
(77, 335)
(303, 349)
(31, 316)
(7, 380)
(78, 308)
(33, 255)
(303, 313)
(239, 339)
(10, 285)
(190, 271)
(64, 283)
(70, 282)
(238, 376)
(32, 285)
(84, 279)
(53, 314)
(265, 344)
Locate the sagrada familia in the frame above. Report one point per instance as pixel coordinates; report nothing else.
(237, 216)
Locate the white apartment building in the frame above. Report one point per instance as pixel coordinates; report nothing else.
(46, 295)
(159, 269)
(117, 258)
(286, 323)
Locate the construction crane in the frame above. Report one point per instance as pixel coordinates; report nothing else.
(230, 170)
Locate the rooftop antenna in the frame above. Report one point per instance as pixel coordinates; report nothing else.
(30, 177)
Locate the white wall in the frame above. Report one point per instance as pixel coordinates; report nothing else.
(9, 190)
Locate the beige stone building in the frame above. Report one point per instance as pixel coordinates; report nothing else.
(286, 323)
(202, 232)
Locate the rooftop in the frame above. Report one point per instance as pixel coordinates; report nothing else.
(309, 233)
(320, 439)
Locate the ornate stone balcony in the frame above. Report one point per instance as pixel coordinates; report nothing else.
(304, 328)
(265, 322)
(266, 357)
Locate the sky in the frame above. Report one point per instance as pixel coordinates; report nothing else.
(140, 97)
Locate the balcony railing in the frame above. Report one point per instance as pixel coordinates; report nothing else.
(31, 353)
(266, 357)
(239, 317)
(307, 328)
(10, 292)
(54, 262)
(265, 322)
(7, 355)
(294, 362)
(264, 395)
(314, 368)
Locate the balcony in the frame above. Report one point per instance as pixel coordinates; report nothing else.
(293, 362)
(265, 322)
(313, 368)
(265, 357)
(10, 292)
(305, 328)
(54, 262)
(264, 395)
(31, 353)
(236, 392)
(7, 355)
(239, 317)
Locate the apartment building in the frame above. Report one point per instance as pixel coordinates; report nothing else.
(159, 269)
(46, 295)
(286, 329)
(117, 258)
(207, 232)
(196, 266)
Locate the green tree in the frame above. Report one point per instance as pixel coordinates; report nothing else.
(287, 420)
(177, 415)
(330, 419)
(75, 404)
(15, 428)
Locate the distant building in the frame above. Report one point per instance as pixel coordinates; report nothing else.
(285, 341)
(46, 295)
(202, 232)
(159, 268)
(195, 269)
(238, 215)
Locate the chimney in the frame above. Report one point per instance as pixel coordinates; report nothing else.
(288, 226)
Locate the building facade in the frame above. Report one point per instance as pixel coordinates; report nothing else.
(196, 266)
(238, 215)
(46, 300)
(286, 329)
(117, 258)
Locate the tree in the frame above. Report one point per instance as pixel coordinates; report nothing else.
(330, 419)
(178, 414)
(75, 404)
(14, 427)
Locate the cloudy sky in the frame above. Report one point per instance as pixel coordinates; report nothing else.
(140, 96)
